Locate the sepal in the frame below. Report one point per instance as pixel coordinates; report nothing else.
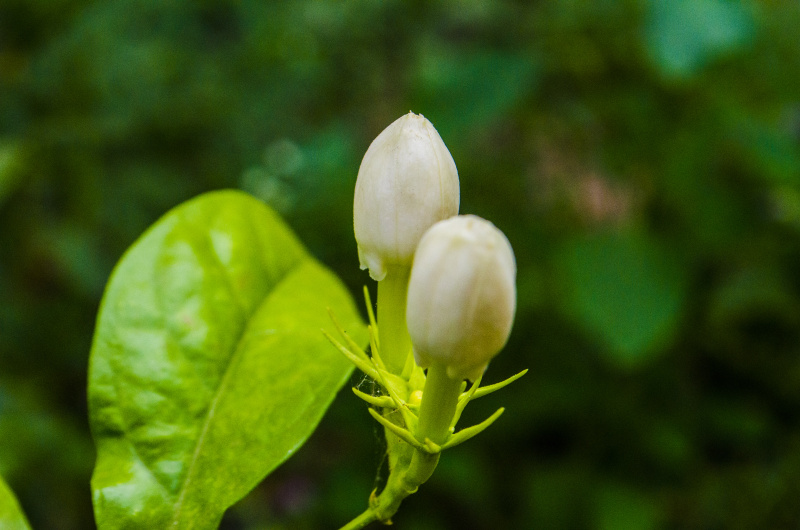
(404, 434)
(465, 434)
(480, 392)
(463, 400)
(376, 401)
(362, 363)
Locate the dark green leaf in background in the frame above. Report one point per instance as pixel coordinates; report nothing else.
(11, 516)
(625, 290)
(208, 367)
(469, 88)
(682, 36)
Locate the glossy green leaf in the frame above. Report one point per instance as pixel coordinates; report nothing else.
(11, 516)
(209, 367)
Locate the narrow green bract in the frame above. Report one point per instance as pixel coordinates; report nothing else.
(208, 367)
(11, 516)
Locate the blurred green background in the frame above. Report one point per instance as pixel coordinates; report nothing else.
(643, 157)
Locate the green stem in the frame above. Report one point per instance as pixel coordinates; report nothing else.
(436, 412)
(422, 467)
(394, 338)
(361, 521)
(414, 467)
(438, 406)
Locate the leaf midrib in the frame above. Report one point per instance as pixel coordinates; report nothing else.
(234, 359)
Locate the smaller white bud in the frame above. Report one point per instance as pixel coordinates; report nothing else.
(407, 181)
(461, 295)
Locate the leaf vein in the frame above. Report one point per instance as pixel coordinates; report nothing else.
(215, 400)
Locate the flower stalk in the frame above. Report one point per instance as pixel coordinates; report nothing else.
(394, 337)
(438, 407)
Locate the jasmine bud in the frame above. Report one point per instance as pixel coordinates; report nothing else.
(407, 182)
(461, 296)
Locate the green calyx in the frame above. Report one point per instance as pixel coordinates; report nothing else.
(417, 430)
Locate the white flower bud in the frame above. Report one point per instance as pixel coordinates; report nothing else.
(407, 181)
(461, 295)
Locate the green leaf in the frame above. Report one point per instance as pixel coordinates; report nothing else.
(626, 290)
(11, 516)
(468, 88)
(209, 367)
(682, 36)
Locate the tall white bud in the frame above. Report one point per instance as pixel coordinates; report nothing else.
(407, 181)
(461, 295)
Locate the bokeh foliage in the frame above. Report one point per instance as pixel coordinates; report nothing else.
(643, 157)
